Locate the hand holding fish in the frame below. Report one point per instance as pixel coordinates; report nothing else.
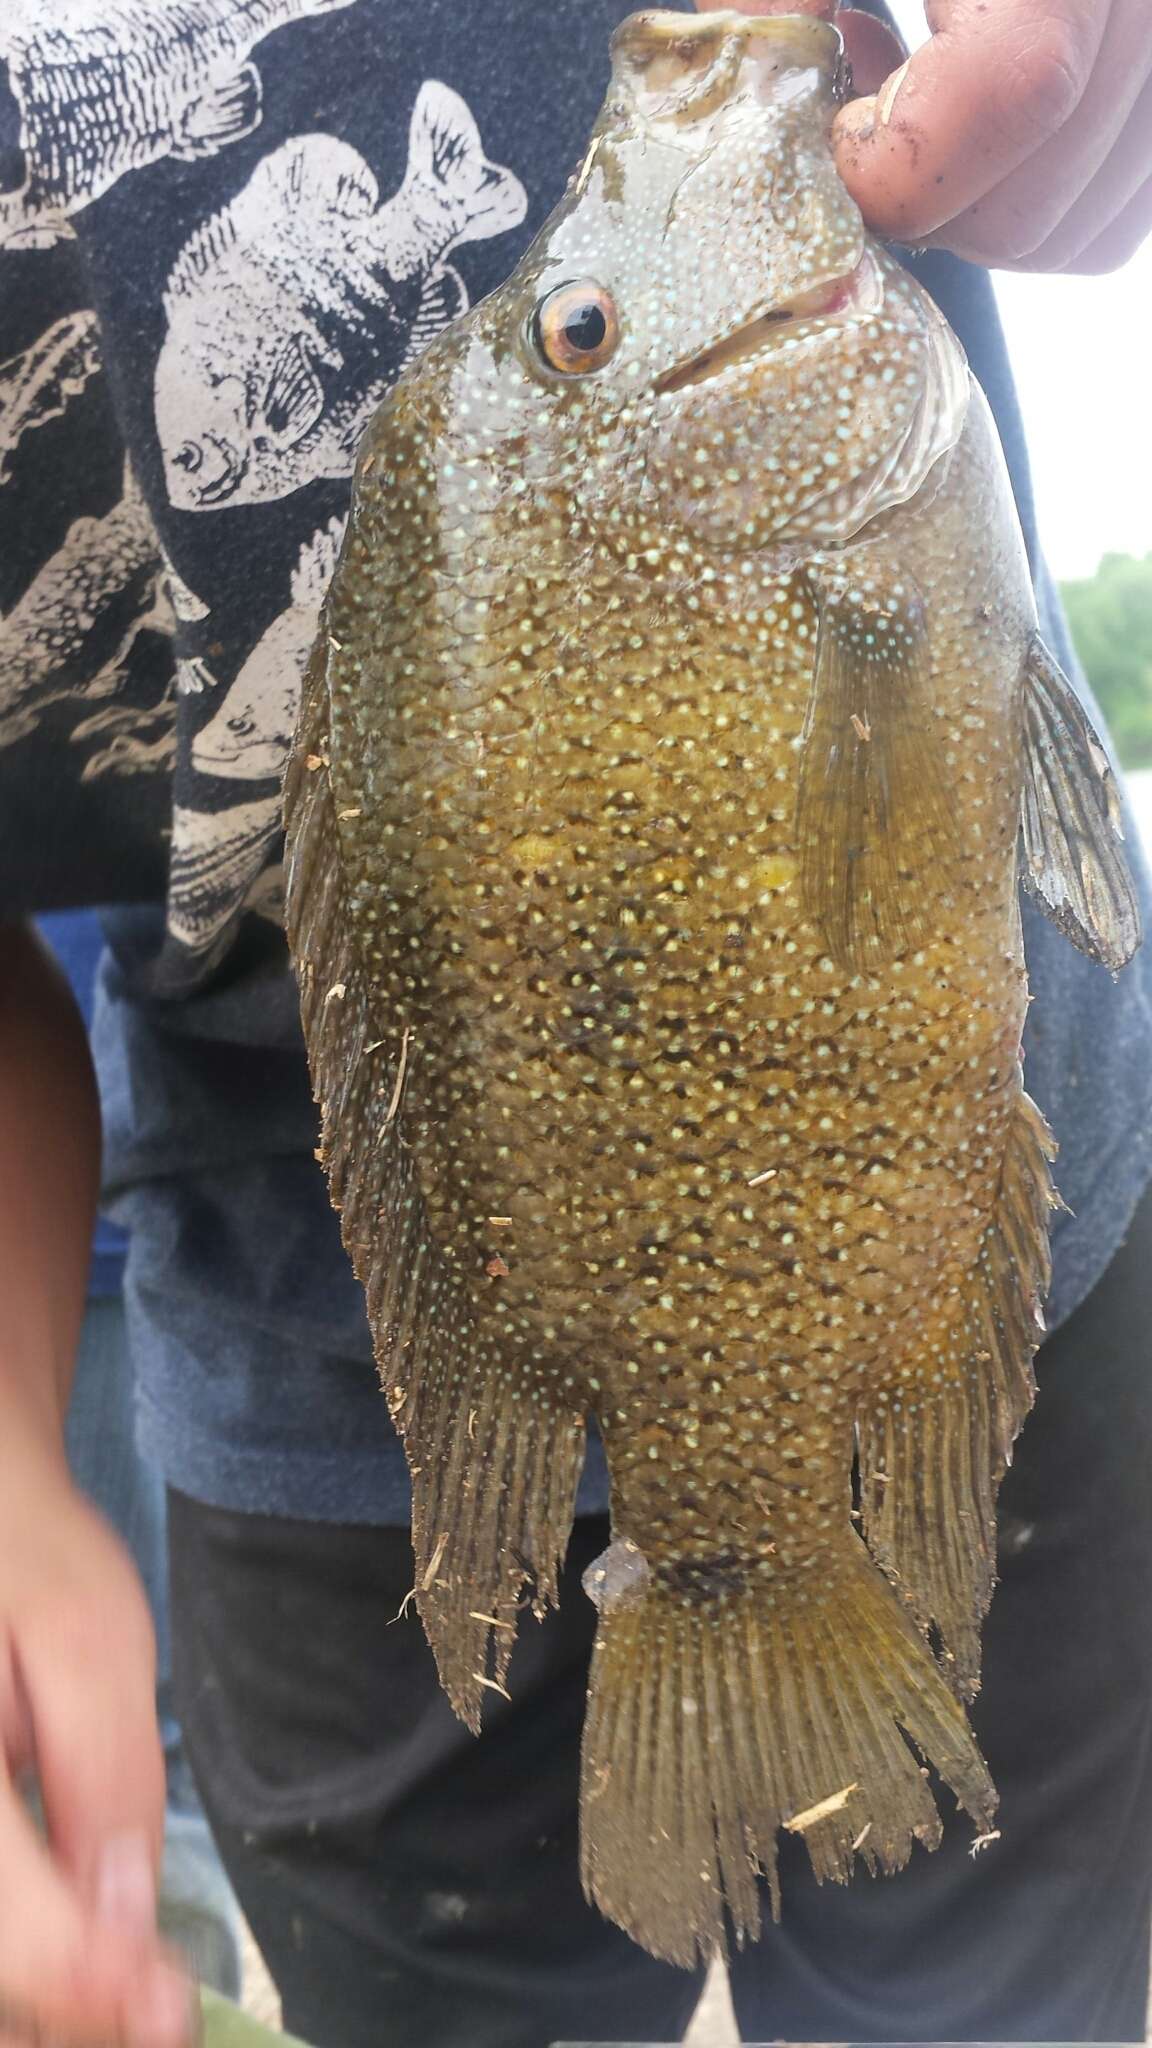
(1019, 135)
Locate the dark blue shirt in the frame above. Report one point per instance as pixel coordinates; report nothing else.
(205, 288)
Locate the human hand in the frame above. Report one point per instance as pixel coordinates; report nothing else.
(1019, 135)
(80, 1962)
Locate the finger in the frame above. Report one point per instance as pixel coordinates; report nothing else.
(64, 1972)
(1081, 179)
(987, 91)
(976, 237)
(1121, 177)
(90, 1682)
(1120, 239)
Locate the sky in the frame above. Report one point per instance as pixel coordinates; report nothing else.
(1081, 348)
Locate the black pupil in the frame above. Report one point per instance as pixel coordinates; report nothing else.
(586, 327)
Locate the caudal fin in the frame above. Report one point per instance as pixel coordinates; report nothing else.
(450, 183)
(792, 1701)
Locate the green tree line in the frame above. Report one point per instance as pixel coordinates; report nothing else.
(1111, 619)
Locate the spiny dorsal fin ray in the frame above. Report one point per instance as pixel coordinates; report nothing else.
(875, 830)
(930, 1469)
(1073, 844)
(494, 1467)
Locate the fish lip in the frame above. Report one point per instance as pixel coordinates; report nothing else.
(222, 486)
(858, 290)
(809, 38)
(214, 489)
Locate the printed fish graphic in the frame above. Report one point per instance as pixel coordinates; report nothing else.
(677, 714)
(109, 86)
(70, 634)
(291, 312)
(37, 385)
(252, 731)
(217, 857)
(129, 739)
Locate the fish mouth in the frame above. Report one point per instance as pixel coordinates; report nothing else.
(857, 291)
(200, 485)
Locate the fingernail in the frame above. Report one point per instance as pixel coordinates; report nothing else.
(126, 1884)
(886, 97)
(165, 2013)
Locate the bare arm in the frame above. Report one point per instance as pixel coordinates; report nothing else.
(50, 1122)
(78, 1952)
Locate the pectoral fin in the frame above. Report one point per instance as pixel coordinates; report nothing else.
(226, 111)
(879, 862)
(294, 399)
(1073, 844)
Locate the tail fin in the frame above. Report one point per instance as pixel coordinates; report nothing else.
(783, 1702)
(449, 177)
(316, 564)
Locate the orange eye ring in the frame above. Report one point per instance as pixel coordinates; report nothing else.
(576, 328)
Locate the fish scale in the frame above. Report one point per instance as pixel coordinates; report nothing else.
(654, 816)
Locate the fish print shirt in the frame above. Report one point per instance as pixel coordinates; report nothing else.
(225, 226)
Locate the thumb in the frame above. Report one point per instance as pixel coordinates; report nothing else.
(70, 1972)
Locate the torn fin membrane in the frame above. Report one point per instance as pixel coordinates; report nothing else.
(930, 1467)
(714, 1722)
(875, 829)
(1073, 857)
(495, 1459)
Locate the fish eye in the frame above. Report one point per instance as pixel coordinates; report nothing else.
(189, 456)
(576, 328)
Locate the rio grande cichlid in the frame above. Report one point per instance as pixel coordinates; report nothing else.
(654, 813)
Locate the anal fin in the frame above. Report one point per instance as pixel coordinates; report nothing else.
(495, 1454)
(1073, 844)
(933, 1451)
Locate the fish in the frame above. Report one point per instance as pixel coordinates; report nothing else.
(249, 736)
(654, 821)
(217, 857)
(38, 385)
(106, 87)
(291, 311)
(129, 739)
(69, 635)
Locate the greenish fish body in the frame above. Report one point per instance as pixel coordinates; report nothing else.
(654, 820)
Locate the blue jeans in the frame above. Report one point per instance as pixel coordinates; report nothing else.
(197, 1909)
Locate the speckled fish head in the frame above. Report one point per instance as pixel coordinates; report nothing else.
(702, 338)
